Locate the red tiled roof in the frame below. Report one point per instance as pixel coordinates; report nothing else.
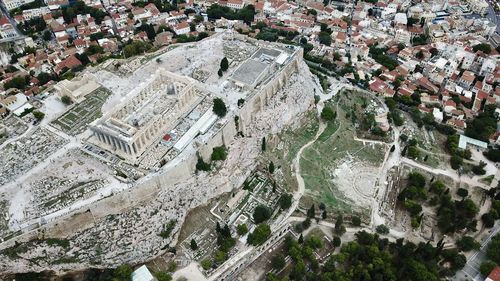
(4, 21)
(481, 95)
(182, 25)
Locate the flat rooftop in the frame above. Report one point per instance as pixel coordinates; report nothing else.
(250, 71)
(464, 141)
(263, 63)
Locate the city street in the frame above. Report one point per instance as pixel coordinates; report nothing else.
(6, 14)
(471, 269)
(492, 16)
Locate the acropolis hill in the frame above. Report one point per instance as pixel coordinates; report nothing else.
(126, 166)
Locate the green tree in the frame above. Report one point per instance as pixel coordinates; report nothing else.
(263, 145)
(123, 272)
(437, 187)
(493, 252)
(261, 233)
(219, 153)
(462, 192)
(206, 264)
(278, 261)
(242, 229)
(261, 213)
(413, 152)
(219, 107)
(339, 225)
(47, 35)
(356, 221)
(336, 241)
(487, 267)
(193, 245)
(456, 162)
(220, 73)
(285, 201)
(38, 115)
(468, 243)
(488, 220)
(328, 114)
(171, 266)
(382, 229)
(311, 212)
(18, 82)
(479, 169)
(44, 78)
(224, 64)
(298, 271)
(66, 100)
(325, 38)
(271, 167)
(306, 223)
(484, 47)
(201, 165)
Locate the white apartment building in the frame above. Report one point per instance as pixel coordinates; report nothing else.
(12, 4)
(478, 6)
(6, 29)
(37, 12)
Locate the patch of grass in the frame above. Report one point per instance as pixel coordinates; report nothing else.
(57, 242)
(65, 260)
(336, 145)
(330, 129)
(167, 229)
(487, 180)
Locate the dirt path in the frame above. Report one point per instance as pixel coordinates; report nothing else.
(295, 167)
(448, 172)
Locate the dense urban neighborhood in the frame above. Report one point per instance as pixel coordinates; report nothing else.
(267, 140)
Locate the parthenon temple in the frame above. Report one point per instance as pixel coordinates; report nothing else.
(145, 117)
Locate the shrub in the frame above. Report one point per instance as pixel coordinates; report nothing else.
(219, 107)
(328, 114)
(261, 213)
(356, 221)
(382, 229)
(242, 229)
(285, 201)
(38, 115)
(219, 153)
(278, 262)
(224, 64)
(202, 165)
(66, 100)
(486, 267)
(261, 233)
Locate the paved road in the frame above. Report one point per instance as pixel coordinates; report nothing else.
(13, 22)
(471, 269)
(492, 16)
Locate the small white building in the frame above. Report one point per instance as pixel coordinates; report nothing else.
(142, 274)
(235, 4)
(182, 28)
(438, 115)
(400, 18)
(464, 141)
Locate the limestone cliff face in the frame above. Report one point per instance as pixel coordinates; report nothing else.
(125, 227)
